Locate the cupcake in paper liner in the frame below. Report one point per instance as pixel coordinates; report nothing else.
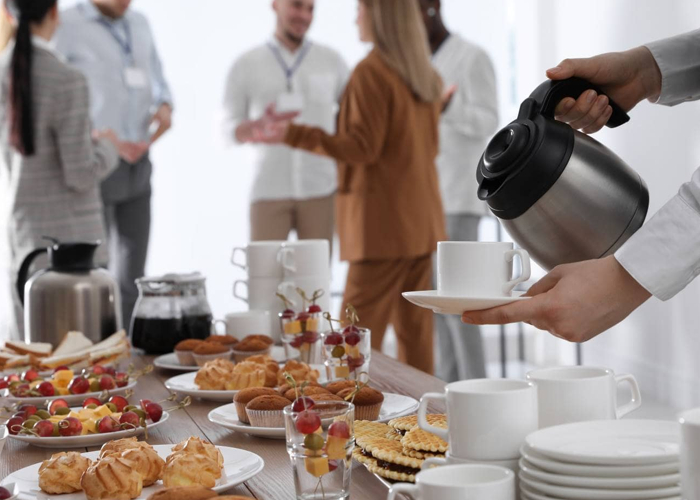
(266, 411)
(245, 396)
(367, 401)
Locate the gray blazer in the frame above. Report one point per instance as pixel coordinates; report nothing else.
(55, 192)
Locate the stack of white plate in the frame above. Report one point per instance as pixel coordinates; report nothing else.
(602, 460)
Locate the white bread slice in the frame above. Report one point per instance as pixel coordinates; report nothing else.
(17, 361)
(38, 349)
(72, 342)
(112, 341)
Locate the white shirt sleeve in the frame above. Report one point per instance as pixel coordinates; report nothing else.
(664, 255)
(235, 105)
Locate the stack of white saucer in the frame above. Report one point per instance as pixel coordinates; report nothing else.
(602, 460)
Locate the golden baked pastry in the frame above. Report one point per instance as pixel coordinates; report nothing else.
(292, 394)
(147, 462)
(61, 473)
(112, 478)
(197, 446)
(183, 493)
(190, 469)
(187, 344)
(264, 339)
(117, 446)
(252, 344)
(299, 371)
(227, 340)
(214, 374)
(271, 368)
(246, 375)
(336, 387)
(206, 348)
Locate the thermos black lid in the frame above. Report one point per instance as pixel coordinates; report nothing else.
(524, 159)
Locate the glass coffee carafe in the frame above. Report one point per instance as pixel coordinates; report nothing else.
(169, 309)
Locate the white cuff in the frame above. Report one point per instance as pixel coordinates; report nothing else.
(678, 58)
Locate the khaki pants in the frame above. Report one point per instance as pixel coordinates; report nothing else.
(274, 219)
(374, 288)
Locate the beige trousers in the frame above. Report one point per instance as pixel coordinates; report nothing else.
(311, 219)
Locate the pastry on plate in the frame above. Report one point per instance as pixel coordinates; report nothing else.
(367, 401)
(252, 345)
(117, 446)
(271, 368)
(112, 478)
(190, 469)
(245, 396)
(299, 371)
(309, 390)
(266, 411)
(184, 350)
(339, 385)
(183, 493)
(422, 441)
(383, 456)
(209, 351)
(246, 375)
(227, 340)
(213, 375)
(197, 446)
(147, 462)
(61, 473)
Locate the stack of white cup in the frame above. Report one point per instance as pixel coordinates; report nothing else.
(281, 267)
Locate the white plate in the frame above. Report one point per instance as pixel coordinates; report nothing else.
(596, 494)
(443, 304)
(394, 406)
(71, 399)
(533, 458)
(610, 442)
(630, 483)
(184, 384)
(526, 493)
(239, 466)
(170, 361)
(87, 439)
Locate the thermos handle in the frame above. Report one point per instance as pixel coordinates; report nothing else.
(551, 92)
(23, 274)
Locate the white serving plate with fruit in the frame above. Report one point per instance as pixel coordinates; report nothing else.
(239, 466)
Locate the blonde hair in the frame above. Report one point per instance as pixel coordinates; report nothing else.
(400, 36)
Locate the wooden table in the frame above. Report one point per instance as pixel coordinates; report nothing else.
(275, 481)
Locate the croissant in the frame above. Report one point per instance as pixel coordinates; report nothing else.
(61, 473)
(185, 469)
(147, 462)
(112, 478)
(214, 374)
(197, 446)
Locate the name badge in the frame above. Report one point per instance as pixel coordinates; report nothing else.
(135, 78)
(289, 102)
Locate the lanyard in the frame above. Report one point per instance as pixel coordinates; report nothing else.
(125, 44)
(289, 71)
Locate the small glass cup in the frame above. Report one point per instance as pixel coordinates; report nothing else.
(320, 441)
(347, 355)
(300, 336)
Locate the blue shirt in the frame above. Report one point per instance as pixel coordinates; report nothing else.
(103, 49)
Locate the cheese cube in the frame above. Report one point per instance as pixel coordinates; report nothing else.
(317, 467)
(311, 325)
(62, 391)
(85, 414)
(60, 384)
(102, 411)
(293, 327)
(66, 375)
(352, 350)
(74, 415)
(304, 347)
(90, 426)
(335, 448)
(342, 371)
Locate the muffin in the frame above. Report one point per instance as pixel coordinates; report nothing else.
(213, 375)
(245, 396)
(184, 351)
(336, 387)
(183, 493)
(325, 397)
(299, 371)
(227, 340)
(251, 345)
(292, 394)
(246, 375)
(209, 351)
(282, 389)
(266, 411)
(367, 402)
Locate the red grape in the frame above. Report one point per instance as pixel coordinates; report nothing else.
(309, 337)
(155, 411)
(14, 425)
(352, 338)
(355, 363)
(308, 421)
(333, 339)
(314, 309)
(4, 493)
(46, 389)
(350, 329)
(332, 465)
(20, 390)
(28, 410)
(107, 383)
(98, 369)
(120, 402)
(56, 404)
(4, 384)
(339, 429)
(121, 379)
(130, 418)
(30, 375)
(70, 426)
(79, 385)
(109, 370)
(44, 428)
(303, 316)
(144, 402)
(61, 368)
(302, 403)
(297, 341)
(107, 424)
(12, 378)
(287, 314)
(91, 401)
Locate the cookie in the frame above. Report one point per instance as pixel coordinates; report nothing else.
(391, 452)
(393, 435)
(365, 429)
(409, 422)
(420, 440)
(421, 454)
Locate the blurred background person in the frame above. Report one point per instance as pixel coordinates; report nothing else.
(7, 28)
(51, 162)
(113, 47)
(389, 211)
(468, 122)
(292, 190)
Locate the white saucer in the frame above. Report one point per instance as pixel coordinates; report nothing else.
(527, 493)
(445, 304)
(569, 493)
(239, 466)
(170, 362)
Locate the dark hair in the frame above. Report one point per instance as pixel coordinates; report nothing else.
(21, 103)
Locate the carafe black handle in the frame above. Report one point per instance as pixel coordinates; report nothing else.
(551, 92)
(23, 275)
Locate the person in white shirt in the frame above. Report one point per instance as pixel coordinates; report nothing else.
(466, 125)
(292, 189)
(579, 301)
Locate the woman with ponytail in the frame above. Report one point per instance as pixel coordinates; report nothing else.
(388, 204)
(51, 161)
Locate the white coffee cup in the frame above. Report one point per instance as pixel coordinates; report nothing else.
(487, 419)
(569, 394)
(240, 324)
(477, 269)
(305, 258)
(260, 291)
(459, 482)
(448, 459)
(690, 454)
(260, 259)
